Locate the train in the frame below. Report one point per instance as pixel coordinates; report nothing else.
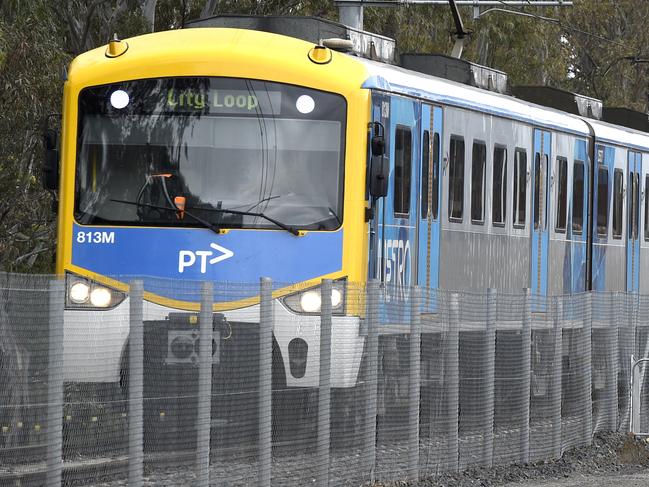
(300, 150)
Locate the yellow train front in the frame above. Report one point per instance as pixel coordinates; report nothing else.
(218, 155)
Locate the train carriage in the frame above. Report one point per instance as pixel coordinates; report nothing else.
(495, 197)
(229, 154)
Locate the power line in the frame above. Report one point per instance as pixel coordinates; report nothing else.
(563, 25)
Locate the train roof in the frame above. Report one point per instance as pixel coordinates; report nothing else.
(202, 52)
(402, 81)
(617, 135)
(411, 83)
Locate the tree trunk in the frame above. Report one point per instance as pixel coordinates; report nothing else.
(148, 12)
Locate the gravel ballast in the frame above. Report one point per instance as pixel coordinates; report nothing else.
(612, 457)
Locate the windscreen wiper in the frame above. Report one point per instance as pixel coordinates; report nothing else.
(205, 223)
(283, 226)
(210, 225)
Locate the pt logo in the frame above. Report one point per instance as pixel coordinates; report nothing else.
(187, 258)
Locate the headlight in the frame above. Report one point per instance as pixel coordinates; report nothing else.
(100, 297)
(86, 294)
(79, 292)
(310, 301)
(336, 298)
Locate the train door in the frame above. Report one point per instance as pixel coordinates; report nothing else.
(578, 218)
(380, 119)
(431, 150)
(601, 205)
(634, 165)
(540, 233)
(397, 213)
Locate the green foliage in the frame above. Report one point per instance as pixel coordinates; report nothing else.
(529, 51)
(30, 89)
(581, 48)
(601, 68)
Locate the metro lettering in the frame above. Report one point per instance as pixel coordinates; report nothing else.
(396, 258)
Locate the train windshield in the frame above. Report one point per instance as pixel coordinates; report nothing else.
(208, 145)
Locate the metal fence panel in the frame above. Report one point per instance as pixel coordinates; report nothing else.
(445, 380)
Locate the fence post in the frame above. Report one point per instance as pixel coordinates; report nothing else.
(626, 335)
(414, 383)
(55, 385)
(612, 371)
(324, 391)
(634, 427)
(136, 385)
(453, 382)
(557, 310)
(204, 409)
(372, 376)
(489, 379)
(611, 334)
(526, 345)
(635, 309)
(266, 322)
(588, 370)
(632, 320)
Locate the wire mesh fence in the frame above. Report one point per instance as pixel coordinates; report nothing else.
(227, 384)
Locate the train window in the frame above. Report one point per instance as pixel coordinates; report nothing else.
(562, 194)
(578, 197)
(520, 188)
(646, 208)
(618, 189)
(632, 208)
(602, 201)
(402, 170)
(425, 175)
(499, 187)
(540, 191)
(478, 164)
(435, 189)
(456, 179)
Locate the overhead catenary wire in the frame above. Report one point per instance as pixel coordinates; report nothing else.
(564, 25)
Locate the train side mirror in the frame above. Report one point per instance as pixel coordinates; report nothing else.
(51, 160)
(379, 172)
(378, 140)
(379, 167)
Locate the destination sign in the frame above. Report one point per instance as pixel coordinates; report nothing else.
(223, 101)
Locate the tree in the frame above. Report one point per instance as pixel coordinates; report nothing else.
(604, 37)
(31, 63)
(37, 41)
